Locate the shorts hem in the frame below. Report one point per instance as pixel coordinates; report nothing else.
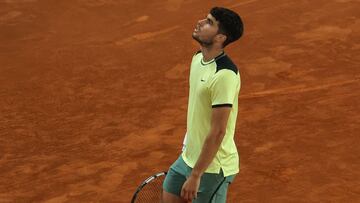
(172, 192)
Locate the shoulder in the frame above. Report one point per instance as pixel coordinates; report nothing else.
(225, 63)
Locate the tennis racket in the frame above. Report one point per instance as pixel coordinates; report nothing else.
(150, 190)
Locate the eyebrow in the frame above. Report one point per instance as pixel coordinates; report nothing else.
(212, 22)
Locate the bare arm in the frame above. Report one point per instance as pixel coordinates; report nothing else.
(219, 118)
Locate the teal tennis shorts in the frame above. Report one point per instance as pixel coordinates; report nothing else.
(212, 189)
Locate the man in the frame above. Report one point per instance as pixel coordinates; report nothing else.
(209, 161)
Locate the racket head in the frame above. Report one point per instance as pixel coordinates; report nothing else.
(150, 189)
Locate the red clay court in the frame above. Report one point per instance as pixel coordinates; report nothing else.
(93, 98)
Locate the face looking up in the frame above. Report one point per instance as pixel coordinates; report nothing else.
(206, 32)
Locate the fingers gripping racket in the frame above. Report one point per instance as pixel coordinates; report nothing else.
(150, 190)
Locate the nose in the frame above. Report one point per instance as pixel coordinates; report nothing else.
(201, 22)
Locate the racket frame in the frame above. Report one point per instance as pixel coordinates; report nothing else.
(145, 182)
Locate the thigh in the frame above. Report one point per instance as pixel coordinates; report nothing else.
(221, 193)
(209, 184)
(213, 188)
(173, 182)
(176, 177)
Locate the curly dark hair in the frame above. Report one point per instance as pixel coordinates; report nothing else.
(230, 24)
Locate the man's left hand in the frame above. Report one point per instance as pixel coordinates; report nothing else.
(190, 188)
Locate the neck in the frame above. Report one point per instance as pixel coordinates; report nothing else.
(210, 53)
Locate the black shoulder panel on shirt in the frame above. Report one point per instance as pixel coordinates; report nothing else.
(225, 62)
(197, 52)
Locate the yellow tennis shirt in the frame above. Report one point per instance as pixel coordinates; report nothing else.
(213, 84)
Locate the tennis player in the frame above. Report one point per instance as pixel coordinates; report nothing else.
(209, 161)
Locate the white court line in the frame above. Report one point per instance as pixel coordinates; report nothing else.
(241, 3)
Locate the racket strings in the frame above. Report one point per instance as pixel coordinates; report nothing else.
(151, 192)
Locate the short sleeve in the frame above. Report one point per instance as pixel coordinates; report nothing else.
(224, 88)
